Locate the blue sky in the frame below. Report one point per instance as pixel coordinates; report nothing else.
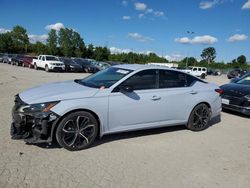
(159, 26)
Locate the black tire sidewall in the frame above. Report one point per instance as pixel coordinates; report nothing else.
(70, 116)
(190, 123)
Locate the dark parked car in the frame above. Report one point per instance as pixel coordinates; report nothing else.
(7, 58)
(17, 60)
(87, 65)
(236, 73)
(71, 65)
(28, 61)
(236, 95)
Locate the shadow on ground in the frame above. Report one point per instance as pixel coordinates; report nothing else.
(133, 134)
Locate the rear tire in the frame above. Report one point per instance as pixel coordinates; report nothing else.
(203, 76)
(77, 131)
(199, 118)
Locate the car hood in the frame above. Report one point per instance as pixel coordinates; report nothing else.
(56, 92)
(237, 90)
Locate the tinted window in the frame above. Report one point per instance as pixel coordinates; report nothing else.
(145, 79)
(171, 79)
(105, 78)
(43, 58)
(195, 69)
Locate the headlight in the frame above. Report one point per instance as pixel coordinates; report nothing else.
(247, 97)
(41, 107)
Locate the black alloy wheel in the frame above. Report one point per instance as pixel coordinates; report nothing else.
(199, 118)
(77, 131)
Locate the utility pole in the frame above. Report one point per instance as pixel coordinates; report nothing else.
(190, 34)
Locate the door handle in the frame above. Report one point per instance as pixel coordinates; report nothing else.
(155, 98)
(193, 92)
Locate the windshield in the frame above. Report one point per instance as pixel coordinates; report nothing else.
(245, 80)
(105, 78)
(51, 58)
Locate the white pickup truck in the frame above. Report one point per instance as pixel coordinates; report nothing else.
(197, 71)
(49, 63)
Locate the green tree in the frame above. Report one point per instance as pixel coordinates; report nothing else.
(78, 45)
(90, 51)
(242, 60)
(20, 39)
(52, 42)
(101, 53)
(65, 42)
(209, 54)
(6, 43)
(40, 48)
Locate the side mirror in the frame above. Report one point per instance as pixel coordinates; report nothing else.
(126, 88)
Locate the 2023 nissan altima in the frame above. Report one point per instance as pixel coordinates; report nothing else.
(120, 98)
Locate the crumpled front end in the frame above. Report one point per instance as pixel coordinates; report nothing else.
(32, 126)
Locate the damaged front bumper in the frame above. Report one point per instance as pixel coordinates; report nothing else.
(35, 127)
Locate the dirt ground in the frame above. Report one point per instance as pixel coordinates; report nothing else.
(166, 157)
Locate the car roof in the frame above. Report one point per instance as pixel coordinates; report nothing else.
(140, 67)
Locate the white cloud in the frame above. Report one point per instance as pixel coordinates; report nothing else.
(37, 38)
(149, 10)
(159, 13)
(246, 5)
(140, 38)
(208, 4)
(56, 26)
(124, 3)
(237, 37)
(115, 50)
(174, 57)
(126, 17)
(3, 30)
(140, 6)
(205, 39)
(140, 15)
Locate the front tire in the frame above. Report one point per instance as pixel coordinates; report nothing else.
(46, 68)
(77, 131)
(199, 118)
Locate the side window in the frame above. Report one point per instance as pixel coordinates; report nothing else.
(172, 79)
(43, 58)
(194, 69)
(203, 69)
(142, 80)
(199, 69)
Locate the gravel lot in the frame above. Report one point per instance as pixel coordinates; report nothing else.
(166, 157)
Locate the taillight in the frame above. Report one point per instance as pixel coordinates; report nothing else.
(220, 91)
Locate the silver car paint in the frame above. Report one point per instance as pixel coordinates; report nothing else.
(118, 112)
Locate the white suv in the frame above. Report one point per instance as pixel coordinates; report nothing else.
(197, 71)
(49, 63)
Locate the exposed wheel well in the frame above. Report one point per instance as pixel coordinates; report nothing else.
(53, 130)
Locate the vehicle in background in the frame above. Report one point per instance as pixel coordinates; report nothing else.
(113, 63)
(17, 60)
(236, 73)
(1, 57)
(7, 58)
(118, 99)
(215, 72)
(236, 96)
(70, 65)
(197, 71)
(101, 65)
(49, 63)
(28, 61)
(86, 64)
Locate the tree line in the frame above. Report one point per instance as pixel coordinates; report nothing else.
(69, 43)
